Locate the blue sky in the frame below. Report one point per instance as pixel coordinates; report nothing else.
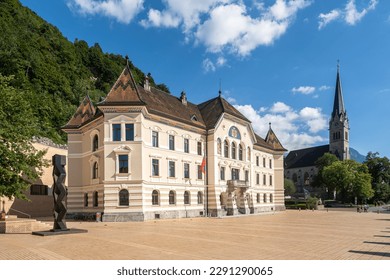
(276, 60)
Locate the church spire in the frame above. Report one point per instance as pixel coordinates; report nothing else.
(338, 105)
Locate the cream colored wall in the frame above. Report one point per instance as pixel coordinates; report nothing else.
(81, 159)
(139, 182)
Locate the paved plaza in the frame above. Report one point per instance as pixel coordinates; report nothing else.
(289, 235)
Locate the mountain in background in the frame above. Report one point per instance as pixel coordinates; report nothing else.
(355, 155)
(54, 72)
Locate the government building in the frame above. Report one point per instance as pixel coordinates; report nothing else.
(144, 154)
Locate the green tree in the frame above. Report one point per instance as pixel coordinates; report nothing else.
(379, 168)
(349, 179)
(318, 181)
(20, 162)
(289, 187)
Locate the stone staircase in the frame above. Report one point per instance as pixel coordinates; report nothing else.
(13, 224)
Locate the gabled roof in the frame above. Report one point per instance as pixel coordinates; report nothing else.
(124, 91)
(168, 106)
(305, 157)
(212, 110)
(84, 113)
(273, 141)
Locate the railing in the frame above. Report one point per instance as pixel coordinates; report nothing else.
(29, 216)
(238, 183)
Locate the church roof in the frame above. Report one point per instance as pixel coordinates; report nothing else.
(84, 113)
(213, 109)
(305, 157)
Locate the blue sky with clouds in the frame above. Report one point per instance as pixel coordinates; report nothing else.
(276, 60)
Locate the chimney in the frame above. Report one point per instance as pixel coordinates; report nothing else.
(146, 83)
(183, 98)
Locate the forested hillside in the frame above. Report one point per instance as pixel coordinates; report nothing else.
(54, 72)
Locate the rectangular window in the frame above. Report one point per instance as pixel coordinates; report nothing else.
(186, 146)
(200, 174)
(263, 162)
(257, 161)
(155, 167)
(171, 171)
(200, 148)
(39, 190)
(223, 173)
(257, 179)
(172, 142)
(264, 180)
(246, 175)
(129, 132)
(186, 170)
(270, 163)
(154, 138)
(235, 174)
(123, 163)
(116, 132)
(270, 180)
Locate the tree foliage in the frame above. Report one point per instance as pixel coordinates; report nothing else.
(20, 163)
(379, 168)
(55, 73)
(326, 160)
(289, 187)
(349, 179)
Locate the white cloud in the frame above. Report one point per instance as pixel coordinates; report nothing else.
(350, 14)
(323, 88)
(208, 65)
(304, 90)
(121, 10)
(353, 15)
(226, 24)
(327, 18)
(295, 129)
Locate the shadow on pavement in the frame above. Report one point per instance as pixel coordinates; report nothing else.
(371, 253)
(378, 243)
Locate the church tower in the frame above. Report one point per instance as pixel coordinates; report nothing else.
(339, 124)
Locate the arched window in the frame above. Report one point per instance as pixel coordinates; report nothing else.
(249, 153)
(233, 150)
(240, 152)
(200, 198)
(186, 197)
(95, 199)
(172, 198)
(123, 197)
(155, 198)
(95, 143)
(226, 149)
(85, 200)
(95, 171)
(295, 178)
(219, 147)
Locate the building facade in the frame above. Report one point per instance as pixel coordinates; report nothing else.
(300, 164)
(144, 154)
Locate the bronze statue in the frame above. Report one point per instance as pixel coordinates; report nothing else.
(59, 192)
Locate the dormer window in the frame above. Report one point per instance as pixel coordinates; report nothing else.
(194, 118)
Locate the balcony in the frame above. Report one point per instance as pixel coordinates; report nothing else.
(241, 184)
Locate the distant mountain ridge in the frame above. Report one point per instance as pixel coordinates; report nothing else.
(355, 155)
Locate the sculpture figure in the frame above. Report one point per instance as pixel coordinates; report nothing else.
(59, 192)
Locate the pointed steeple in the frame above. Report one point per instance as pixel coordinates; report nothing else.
(338, 105)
